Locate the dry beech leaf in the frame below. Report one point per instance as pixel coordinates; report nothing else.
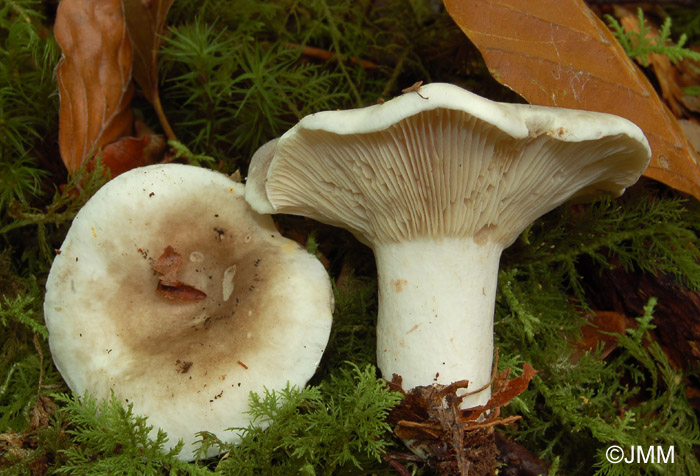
(504, 390)
(94, 78)
(558, 53)
(180, 292)
(686, 74)
(168, 265)
(692, 131)
(672, 78)
(127, 153)
(599, 330)
(169, 287)
(145, 20)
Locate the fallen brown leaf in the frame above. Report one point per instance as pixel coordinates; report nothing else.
(687, 75)
(672, 78)
(167, 265)
(130, 152)
(180, 292)
(691, 129)
(504, 390)
(169, 287)
(125, 154)
(676, 315)
(145, 21)
(94, 78)
(558, 53)
(597, 331)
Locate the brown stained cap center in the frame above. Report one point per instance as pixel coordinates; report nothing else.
(206, 332)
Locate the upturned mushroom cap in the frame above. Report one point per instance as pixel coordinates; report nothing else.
(125, 316)
(444, 162)
(438, 182)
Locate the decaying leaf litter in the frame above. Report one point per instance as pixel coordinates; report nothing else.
(570, 58)
(401, 64)
(96, 82)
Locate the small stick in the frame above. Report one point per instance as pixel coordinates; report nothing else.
(414, 88)
(326, 55)
(37, 346)
(431, 428)
(497, 421)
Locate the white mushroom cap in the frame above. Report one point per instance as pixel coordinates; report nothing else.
(444, 163)
(186, 365)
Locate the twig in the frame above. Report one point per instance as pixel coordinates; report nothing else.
(414, 88)
(169, 133)
(433, 429)
(392, 458)
(494, 422)
(37, 346)
(326, 55)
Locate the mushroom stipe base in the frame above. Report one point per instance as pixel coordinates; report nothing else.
(435, 322)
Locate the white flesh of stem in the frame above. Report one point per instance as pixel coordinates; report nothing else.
(436, 305)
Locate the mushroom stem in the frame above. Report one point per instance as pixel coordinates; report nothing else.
(436, 305)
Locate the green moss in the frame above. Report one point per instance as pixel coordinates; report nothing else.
(573, 413)
(639, 44)
(325, 429)
(109, 439)
(576, 408)
(28, 55)
(233, 78)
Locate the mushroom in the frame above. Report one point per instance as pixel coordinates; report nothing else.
(438, 184)
(172, 294)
